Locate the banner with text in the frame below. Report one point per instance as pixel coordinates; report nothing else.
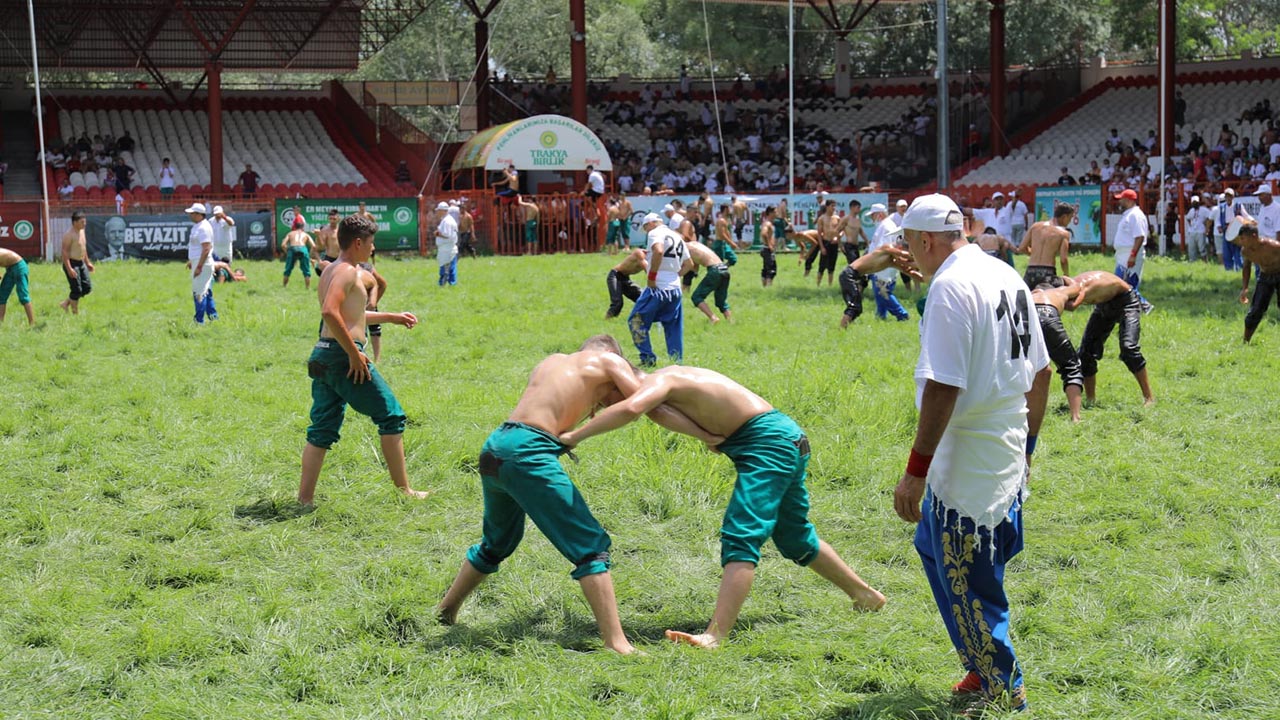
(164, 237)
(20, 228)
(397, 218)
(1086, 226)
(801, 209)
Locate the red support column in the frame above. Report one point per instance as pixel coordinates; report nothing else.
(997, 86)
(481, 80)
(578, 59)
(215, 129)
(1168, 46)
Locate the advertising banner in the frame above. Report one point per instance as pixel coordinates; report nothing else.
(1086, 226)
(20, 228)
(803, 210)
(397, 218)
(164, 237)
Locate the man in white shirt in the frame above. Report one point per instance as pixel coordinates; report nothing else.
(1197, 221)
(1131, 244)
(1223, 214)
(1274, 151)
(1106, 171)
(1268, 215)
(661, 300)
(223, 234)
(887, 279)
(1018, 221)
(981, 349)
(675, 218)
(168, 180)
(199, 253)
(446, 245)
(1003, 217)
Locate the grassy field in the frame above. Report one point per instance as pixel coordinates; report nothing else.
(156, 566)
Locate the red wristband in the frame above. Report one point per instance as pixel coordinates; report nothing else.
(918, 465)
(653, 276)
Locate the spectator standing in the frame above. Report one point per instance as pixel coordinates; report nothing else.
(199, 254)
(1223, 214)
(1020, 219)
(249, 181)
(223, 235)
(168, 180)
(446, 245)
(1198, 223)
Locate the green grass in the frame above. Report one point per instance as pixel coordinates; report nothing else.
(155, 565)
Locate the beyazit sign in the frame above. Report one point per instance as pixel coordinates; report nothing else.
(165, 237)
(397, 218)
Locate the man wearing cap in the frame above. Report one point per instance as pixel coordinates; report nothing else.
(223, 236)
(887, 278)
(1223, 214)
(675, 218)
(446, 245)
(1265, 252)
(1198, 222)
(660, 301)
(1003, 217)
(980, 351)
(1268, 216)
(1131, 243)
(199, 250)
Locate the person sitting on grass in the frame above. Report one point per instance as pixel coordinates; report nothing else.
(1116, 303)
(341, 373)
(769, 500)
(521, 475)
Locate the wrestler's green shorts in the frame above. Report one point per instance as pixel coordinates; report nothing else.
(769, 499)
(299, 255)
(531, 231)
(615, 232)
(332, 391)
(16, 278)
(716, 281)
(521, 475)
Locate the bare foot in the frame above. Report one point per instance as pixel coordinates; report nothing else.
(65, 305)
(705, 641)
(1149, 402)
(713, 320)
(844, 321)
(446, 616)
(869, 600)
(625, 648)
(610, 315)
(415, 494)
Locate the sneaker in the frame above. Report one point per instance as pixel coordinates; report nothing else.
(970, 685)
(1147, 307)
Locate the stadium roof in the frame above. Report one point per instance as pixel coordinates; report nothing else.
(168, 35)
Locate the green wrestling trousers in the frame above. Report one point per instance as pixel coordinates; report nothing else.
(521, 475)
(769, 500)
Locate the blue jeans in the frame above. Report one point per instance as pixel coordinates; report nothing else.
(449, 273)
(965, 569)
(662, 306)
(1231, 257)
(205, 307)
(886, 302)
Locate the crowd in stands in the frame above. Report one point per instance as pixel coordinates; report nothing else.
(103, 157)
(684, 151)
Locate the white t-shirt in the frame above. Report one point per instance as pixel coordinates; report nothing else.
(1019, 216)
(624, 183)
(1268, 218)
(676, 220)
(1195, 219)
(446, 240)
(1133, 228)
(879, 238)
(673, 256)
(1223, 214)
(1004, 222)
(1274, 151)
(201, 232)
(596, 181)
(167, 177)
(223, 237)
(980, 333)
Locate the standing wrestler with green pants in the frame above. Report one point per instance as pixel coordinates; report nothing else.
(769, 500)
(521, 476)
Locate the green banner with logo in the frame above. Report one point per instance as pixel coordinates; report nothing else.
(397, 218)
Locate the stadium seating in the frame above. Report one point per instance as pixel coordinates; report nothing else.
(1129, 105)
(295, 145)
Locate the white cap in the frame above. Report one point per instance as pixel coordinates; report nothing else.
(933, 213)
(877, 208)
(1229, 191)
(442, 205)
(902, 203)
(997, 194)
(1195, 198)
(668, 208)
(1264, 189)
(651, 218)
(195, 208)
(217, 209)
